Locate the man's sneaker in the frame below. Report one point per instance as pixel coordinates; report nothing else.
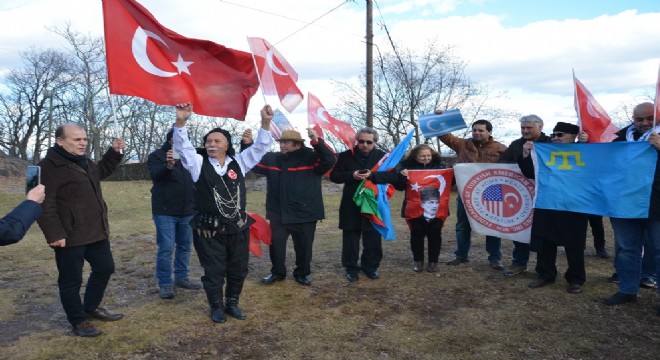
(457, 261)
(166, 292)
(514, 270)
(187, 284)
(648, 283)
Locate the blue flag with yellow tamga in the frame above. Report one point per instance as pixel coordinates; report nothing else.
(609, 179)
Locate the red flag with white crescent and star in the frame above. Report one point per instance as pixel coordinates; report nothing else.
(319, 118)
(427, 193)
(592, 118)
(148, 60)
(276, 74)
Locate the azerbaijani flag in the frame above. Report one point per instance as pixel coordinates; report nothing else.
(374, 199)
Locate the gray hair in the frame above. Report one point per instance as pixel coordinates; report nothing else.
(531, 118)
(367, 130)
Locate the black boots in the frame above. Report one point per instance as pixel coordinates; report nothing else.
(217, 308)
(232, 308)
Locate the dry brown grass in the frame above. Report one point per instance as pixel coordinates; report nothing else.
(463, 312)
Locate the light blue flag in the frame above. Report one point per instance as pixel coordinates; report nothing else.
(433, 125)
(382, 199)
(609, 179)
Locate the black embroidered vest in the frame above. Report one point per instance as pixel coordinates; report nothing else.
(216, 198)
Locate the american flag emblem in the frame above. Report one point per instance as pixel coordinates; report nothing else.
(501, 200)
(279, 124)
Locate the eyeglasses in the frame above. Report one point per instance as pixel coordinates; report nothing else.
(368, 142)
(640, 119)
(557, 134)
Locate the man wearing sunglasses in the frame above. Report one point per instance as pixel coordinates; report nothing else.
(636, 236)
(354, 166)
(531, 127)
(554, 228)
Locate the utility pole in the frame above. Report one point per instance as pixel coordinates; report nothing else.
(370, 65)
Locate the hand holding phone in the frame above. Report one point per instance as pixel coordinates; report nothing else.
(32, 177)
(363, 171)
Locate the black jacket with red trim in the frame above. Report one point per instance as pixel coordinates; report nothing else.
(294, 183)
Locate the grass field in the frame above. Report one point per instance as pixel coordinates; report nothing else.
(463, 312)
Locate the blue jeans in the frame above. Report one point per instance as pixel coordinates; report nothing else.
(171, 231)
(464, 233)
(630, 235)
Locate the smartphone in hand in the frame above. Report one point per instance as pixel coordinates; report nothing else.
(363, 171)
(32, 177)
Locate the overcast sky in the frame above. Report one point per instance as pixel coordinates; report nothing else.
(526, 48)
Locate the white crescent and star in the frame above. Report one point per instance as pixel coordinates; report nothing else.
(139, 48)
(441, 179)
(271, 63)
(592, 111)
(414, 187)
(321, 114)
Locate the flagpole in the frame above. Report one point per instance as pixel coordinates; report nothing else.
(256, 69)
(576, 100)
(113, 109)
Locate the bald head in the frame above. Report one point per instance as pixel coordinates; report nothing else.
(73, 138)
(643, 116)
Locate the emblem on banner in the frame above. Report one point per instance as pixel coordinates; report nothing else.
(500, 199)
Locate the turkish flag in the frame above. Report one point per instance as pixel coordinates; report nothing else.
(276, 74)
(428, 190)
(259, 233)
(148, 60)
(592, 118)
(318, 117)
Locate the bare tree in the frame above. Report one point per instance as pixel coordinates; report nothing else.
(26, 106)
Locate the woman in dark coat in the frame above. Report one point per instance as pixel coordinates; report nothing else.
(422, 157)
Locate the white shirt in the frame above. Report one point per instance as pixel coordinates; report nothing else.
(246, 159)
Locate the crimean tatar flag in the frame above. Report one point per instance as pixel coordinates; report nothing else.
(609, 179)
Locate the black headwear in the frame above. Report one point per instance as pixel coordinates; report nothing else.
(566, 128)
(230, 147)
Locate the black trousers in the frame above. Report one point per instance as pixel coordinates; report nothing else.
(223, 256)
(372, 252)
(70, 262)
(597, 230)
(546, 258)
(303, 240)
(420, 229)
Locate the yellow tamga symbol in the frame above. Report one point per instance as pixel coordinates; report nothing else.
(565, 165)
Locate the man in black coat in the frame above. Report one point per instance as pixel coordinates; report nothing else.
(531, 127)
(351, 169)
(294, 202)
(553, 228)
(172, 208)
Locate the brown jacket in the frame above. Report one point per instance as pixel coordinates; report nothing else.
(74, 208)
(469, 151)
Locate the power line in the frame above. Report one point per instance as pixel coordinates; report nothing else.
(290, 18)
